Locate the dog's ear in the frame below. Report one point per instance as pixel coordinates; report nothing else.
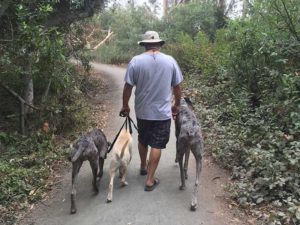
(189, 102)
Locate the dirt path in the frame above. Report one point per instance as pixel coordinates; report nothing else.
(166, 205)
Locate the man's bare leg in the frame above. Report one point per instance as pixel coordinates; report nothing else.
(152, 165)
(143, 156)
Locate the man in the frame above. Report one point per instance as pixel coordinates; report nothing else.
(155, 75)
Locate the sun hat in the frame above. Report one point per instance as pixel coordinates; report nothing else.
(151, 37)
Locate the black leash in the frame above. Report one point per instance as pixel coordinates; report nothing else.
(128, 121)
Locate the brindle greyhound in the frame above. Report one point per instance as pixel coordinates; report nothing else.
(93, 147)
(189, 137)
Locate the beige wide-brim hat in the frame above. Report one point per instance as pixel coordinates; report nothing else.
(151, 37)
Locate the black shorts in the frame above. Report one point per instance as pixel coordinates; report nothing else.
(155, 133)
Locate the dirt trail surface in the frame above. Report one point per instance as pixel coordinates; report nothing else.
(166, 205)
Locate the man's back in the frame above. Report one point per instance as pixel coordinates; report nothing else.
(153, 74)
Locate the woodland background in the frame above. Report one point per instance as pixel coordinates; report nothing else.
(243, 73)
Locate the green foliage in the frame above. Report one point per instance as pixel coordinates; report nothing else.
(191, 19)
(27, 46)
(25, 165)
(128, 25)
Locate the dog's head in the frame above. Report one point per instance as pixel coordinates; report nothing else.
(189, 102)
(186, 102)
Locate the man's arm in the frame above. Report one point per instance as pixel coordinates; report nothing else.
(177, 94)
(177, 97)
(126, 96)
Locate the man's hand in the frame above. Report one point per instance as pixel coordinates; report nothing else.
(177, 98)
(175, 111)
(125, 111)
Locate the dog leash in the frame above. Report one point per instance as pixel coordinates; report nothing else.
(128, 121)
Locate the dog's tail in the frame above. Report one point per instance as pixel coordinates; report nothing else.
(122, 150)
(76, 155)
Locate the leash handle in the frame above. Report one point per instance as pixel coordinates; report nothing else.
(127, 120)
(122, 114)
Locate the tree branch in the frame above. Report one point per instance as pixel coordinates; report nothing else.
(290, 22)
(109, 34)
(286, 20)
(91, 34)
(17, 96)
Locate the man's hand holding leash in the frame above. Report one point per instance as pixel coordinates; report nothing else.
(175, 110)
(125, 111)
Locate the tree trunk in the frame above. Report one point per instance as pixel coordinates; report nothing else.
(165, 7)
(28, 85)
(22, 118)
(222, 5)
(245, 8)
(45, 96)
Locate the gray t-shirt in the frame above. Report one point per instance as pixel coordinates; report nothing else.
(154, 75)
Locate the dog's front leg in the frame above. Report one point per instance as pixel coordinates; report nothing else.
(75, 170)
(112, 173)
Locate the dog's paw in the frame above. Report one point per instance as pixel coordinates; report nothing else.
(73, 210)
(193, 207)
(182, 187)
(96, 189)
(96, 186)
(124, 183)
(194, 203)
(108, 200)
